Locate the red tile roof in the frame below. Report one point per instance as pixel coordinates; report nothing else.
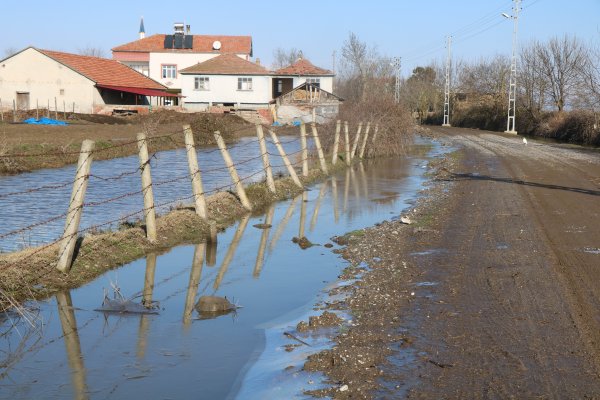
(226, 64)
(104, 71)
(200, 44)
(303, 67)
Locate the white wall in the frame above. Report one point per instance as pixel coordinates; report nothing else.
(326, 82)
(182, 60)
(43, 78)
(223, 89)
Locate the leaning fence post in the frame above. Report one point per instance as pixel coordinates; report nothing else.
(149, 211)
(14, 111)
(356, 139)
(373, 139)
(239, 186)
(55, 109)
(364, 142)
(285, 159)
(319, 148)
(304, 149)
(265, 158)
(69, 238)
(197, 189)
(347, 143)
(336, 142)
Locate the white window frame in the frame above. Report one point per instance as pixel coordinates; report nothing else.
(205, 80)
(168, 71)
(244, 84)
(314, 81)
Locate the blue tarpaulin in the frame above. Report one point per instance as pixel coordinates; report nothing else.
(44, 121)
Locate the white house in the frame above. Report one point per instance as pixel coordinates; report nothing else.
(43, 78)
(226, 80)
(292, 76)
(162, 57)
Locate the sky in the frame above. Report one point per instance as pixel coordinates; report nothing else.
(413, 30)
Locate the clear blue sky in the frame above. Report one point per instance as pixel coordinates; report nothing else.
(414, 30)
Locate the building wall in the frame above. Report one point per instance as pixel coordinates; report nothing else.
(45, 79)
(223, 89)
(326, 82)
(181, 60)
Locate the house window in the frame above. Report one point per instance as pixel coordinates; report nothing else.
(62, 92)
(314, 81)
(169, 71)
(244, 83)
(201, 83)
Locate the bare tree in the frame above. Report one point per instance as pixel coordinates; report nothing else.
(532, 85)
(92, 51)
(283, 58)
(9, 51)
(561, 62)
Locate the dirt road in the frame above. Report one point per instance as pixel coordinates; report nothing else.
(493, 293)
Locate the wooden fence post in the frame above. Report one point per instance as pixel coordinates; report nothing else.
(364, 142)
(73, 108)
(286, 161)
(55, 109)
(265, 158)
(69, 239)
(319, 148)
(347, 143)
(1, 112)
(37, 109)
(14, 111)
(336, 142)
(197, 188)
(48, 110)
(239, 186)
(149, 211)
(356, 139)
(64, 111)
(304, 149)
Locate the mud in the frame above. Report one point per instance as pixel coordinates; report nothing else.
(487, 294)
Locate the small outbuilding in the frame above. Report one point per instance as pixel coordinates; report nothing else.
(36, 78)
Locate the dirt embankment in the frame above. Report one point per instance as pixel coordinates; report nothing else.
(494, 291)
(25, 147)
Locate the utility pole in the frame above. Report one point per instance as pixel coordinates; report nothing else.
(397, 63)
(447, 86)
(512, 87)
(333, 70)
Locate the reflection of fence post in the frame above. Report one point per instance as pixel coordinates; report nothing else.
(75, 358)
(319, 148)
(336, 142)
(347, 143)
(197, 189)
(304, 149)
(265, 158)
(195, 273)
(286, 161)
(302, 215)
(364, 142)
(239, 186)
(149, 211)
(55, 109)
(235, 241)
(356, 139)
(211, 245)
(67, 245)
(148, 291)
(260, 255)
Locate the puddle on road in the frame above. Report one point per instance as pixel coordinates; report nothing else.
(175, 354)
(428, 252)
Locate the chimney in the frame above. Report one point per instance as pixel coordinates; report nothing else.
(257, 61)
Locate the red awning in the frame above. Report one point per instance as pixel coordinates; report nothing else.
(142, 91)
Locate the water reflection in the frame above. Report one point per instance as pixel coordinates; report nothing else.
(68, 323)
(272, 279)
(239, 232)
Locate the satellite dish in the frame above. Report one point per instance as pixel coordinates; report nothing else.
(216, 45)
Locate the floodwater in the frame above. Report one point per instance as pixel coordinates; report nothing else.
(31, 217)
(77, 352)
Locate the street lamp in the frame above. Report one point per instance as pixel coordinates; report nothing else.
(512, 87)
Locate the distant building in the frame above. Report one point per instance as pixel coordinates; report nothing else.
(86, 84)
(287, 78)
(163, 56)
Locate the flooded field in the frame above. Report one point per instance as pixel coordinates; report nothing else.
(78, 352)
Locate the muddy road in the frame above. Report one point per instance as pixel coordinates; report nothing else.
(494, 292)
